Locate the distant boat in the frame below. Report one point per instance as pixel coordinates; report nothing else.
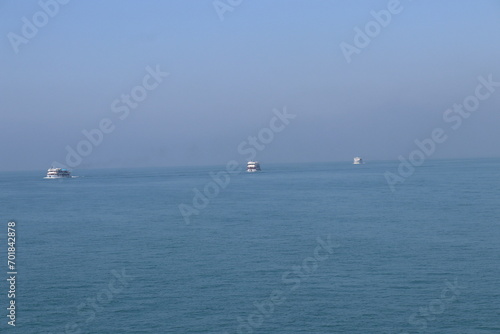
(358, 161)
(57, 173)
(253, 166)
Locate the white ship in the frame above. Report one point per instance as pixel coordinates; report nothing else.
(57, 173)
(358, 161)
(253, 166)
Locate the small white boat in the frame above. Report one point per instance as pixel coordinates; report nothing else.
(253, 166)
(358, 161)
(57, 173)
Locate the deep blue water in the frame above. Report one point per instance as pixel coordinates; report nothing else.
(422, 259)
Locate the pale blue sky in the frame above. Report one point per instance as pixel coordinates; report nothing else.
(227, 76)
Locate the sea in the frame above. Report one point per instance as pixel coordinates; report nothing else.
(296, 248)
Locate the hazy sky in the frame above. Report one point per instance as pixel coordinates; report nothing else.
(226, 77)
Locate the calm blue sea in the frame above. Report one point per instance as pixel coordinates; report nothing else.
(300, 248)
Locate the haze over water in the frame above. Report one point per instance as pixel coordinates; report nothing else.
(391, 87)
(156, 107)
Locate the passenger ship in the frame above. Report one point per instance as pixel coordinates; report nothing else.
(57, 173)
(358, 161)
(253, 166)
